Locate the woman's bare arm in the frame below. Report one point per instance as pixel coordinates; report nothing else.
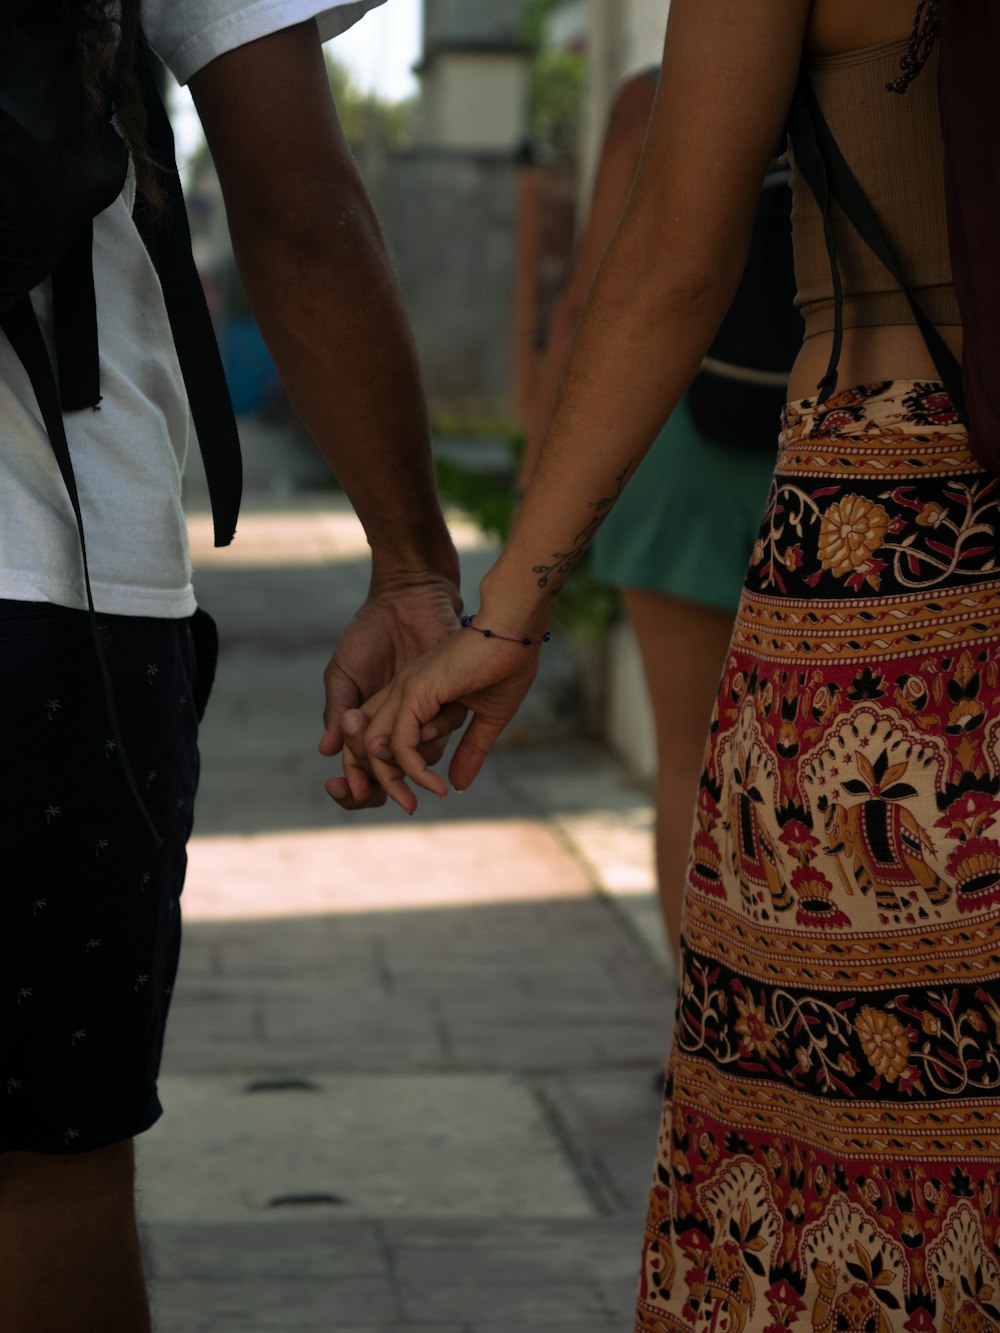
(665, 283)
(668, 277)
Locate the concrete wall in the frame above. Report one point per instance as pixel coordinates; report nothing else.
(450, 222)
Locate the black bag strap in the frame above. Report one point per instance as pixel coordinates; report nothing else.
(74, 318)
(21, 327)
(75, 383)
(167, 237)
(826, 172)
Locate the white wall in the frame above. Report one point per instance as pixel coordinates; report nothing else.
(625, 36)
(630, 729)
(645, 28)
(473, 102)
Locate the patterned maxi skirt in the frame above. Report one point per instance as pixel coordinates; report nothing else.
(830, 1149)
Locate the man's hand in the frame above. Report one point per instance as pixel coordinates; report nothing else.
(397, 624)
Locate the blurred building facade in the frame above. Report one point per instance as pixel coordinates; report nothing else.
(473, 76)
(448, 204)
(481, 231)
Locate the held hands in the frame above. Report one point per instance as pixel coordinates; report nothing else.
(397, 623)
(393, 730)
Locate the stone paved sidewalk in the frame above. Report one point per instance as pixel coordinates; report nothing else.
(409, 1074)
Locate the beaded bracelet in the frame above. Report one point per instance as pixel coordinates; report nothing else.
(492, 634)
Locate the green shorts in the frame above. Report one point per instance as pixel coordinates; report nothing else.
(688, 519)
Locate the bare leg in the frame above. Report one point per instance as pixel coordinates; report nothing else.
(69, 1249)
(683, 647)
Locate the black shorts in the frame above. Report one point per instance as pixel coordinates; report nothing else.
(89, 907)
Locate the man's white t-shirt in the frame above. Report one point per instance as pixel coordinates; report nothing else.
(129, 456)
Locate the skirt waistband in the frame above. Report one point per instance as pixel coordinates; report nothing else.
(891, 409)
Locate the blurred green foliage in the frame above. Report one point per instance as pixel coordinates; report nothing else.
(535, 14)
(366, 118)
(555, 101)
(556, 85)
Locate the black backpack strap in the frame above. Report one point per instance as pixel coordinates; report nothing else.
(812, 167)
(74, 320)
(21, 327)
(826, 172)
(168, 239)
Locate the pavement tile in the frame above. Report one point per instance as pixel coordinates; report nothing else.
(611, 1118)
(419, 1146)
(273, 1304)
(167, 1324)
(542, 1272)
(585, 1326)
(312, 950)
(354, 1030)
(503, 1031)
(327, 1250)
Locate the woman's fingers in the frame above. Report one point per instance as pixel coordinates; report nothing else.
(356, 776)
(393, 763)
(338, 790)
(470, 755)
(389, 777)
(395, 752)
(370, 770)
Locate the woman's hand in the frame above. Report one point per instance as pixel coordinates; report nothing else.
(488, 677)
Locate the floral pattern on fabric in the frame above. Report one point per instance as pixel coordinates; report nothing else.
(830, 1153)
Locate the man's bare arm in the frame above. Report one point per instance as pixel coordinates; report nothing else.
(323, 290)
(318, 275)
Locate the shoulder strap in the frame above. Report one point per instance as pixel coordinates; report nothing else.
(21, 327)
(74, 325)
(168, 239)
(828, 175)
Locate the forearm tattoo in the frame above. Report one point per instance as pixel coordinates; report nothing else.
(563, 562)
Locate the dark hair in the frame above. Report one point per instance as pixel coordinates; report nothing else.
(108, 36)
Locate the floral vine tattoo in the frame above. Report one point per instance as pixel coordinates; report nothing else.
(563, 562)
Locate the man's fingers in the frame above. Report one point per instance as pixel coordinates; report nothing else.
(432, 752)
(341, 695)
(471, 751)
(357, 766)
(339, 791)
(450, 718)
(356, 777)
(354, 722)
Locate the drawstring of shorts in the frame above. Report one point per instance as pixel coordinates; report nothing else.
(926, 27)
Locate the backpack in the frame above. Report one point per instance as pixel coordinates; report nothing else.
(970, 120)
(60, 168)
(738, 394)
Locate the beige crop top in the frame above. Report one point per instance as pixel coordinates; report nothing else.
(893, 144)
